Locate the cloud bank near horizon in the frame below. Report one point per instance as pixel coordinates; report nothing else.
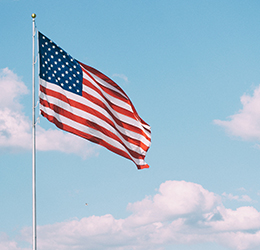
(180, 213)
(15, 126)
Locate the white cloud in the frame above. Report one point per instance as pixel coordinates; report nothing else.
(7, 244)
(15, 126)
(175, 199)
(242, 189)
(14, 129)
(65, 142)
(11, 89)
(244, 197)
(122, 76)
(180, 213)
(246, 123)
(240, 240)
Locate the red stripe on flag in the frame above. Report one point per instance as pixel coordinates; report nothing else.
(89, 124)
(89, 137)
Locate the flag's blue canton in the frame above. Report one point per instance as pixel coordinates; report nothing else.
(58, 67)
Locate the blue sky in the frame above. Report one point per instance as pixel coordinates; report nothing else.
(192, 70)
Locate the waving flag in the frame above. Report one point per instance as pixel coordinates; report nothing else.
(81, 100)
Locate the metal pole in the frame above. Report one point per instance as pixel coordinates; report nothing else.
(34, 239)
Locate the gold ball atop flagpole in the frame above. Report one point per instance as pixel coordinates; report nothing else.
(33, 15)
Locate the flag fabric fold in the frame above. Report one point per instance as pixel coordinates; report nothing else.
(81, 100)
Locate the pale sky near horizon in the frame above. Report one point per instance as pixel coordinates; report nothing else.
(192, 70)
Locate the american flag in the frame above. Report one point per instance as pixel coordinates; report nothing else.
(81, 100)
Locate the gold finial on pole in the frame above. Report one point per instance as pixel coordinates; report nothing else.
(33, 15)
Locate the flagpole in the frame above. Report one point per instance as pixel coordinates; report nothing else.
(34, 236)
